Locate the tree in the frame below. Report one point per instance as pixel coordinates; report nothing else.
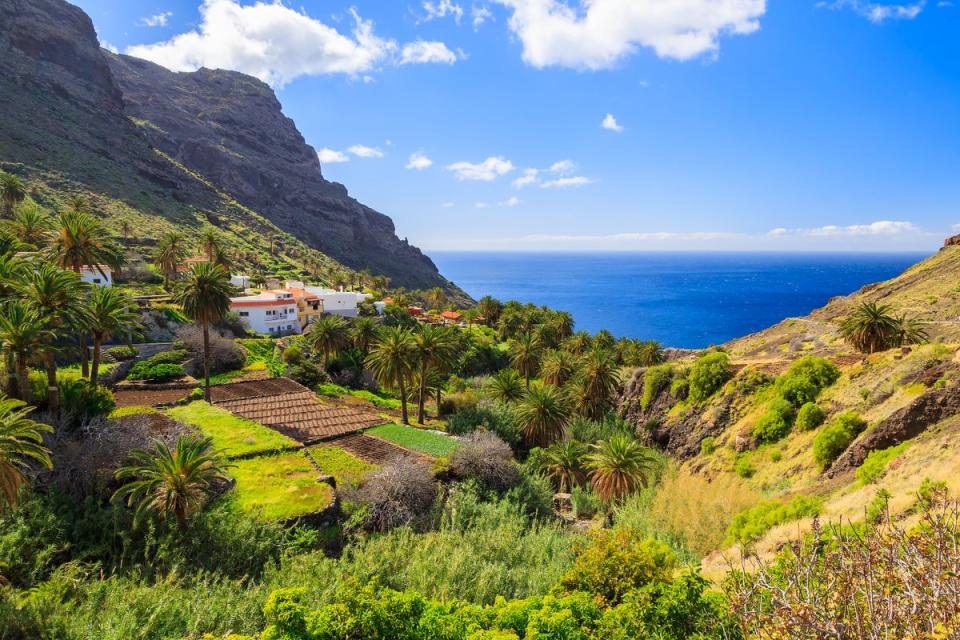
(910, 331)
(21, 441)
(30, 225)
(436, 347)
(619, 467)
(60, 297)
(339, 279)
(596, 384)
(111, 314)
(871, 328)
(506, 386)
(171, 483)
(23, 333)
(436, 298)
(328, 335)
(578, 343)
(604, 339)
(542, 415)
(563, 463)
(490, 308)
(12, 192)
(561, 325)
(205, 298)
(650, 353)
(364, 333)
(392, 360)
(170, 252)
(525, 352)
(558, 367)
(212, 246)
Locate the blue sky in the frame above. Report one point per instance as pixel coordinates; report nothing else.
(612, 125)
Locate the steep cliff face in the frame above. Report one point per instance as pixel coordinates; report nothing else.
(97, 119)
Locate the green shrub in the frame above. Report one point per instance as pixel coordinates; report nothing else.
(930, 492)
(805, 379)
(163, 372)
(743, 467)
(81, 402)
(680, 387)
(707, 375)
(809, 417)
(775, 423)
(176, 356)
(876, 463)
(877, 507)
(708, 445)
(835, 438)
(585, 502)
(655, 380)
(123, 352)
(776, 456)
(497, 419)
(751, 525)
(331, 390)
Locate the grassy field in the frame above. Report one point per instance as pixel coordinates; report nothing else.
(342, 465)
(233, 435)
(415, 439)
(278, 487)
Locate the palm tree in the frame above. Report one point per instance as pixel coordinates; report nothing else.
(490, 308)
(364, 333)
(871, 328)
(111, 314)
(392, 360)
(21, 441)
(170, 252)
(23, 332)
(561, 325)
(578, 343)
(81, 241)
(558, 367)
(205, 298)
(604, 339)
(910, 331)
(380, 283)
(212, 246)
(506, 386)
(328, 335)
(563, 463)
(60, 296)
(165, 482)
(436, 298)
(339, 279)
(30, 225)
(12, 192)
(525, 354)
(435, 348)
(650, 353)
(543, 415)
(619, 467)
(596, 384)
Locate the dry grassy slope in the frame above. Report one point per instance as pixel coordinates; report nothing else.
(874, 386)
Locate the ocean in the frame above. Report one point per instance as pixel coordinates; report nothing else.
(689, 300)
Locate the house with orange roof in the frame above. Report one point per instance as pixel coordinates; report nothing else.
(309, 304)
(273, 312)
(451, 317)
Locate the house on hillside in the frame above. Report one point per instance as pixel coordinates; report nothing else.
(309, 305)
(338, 303)
(100, 275)
(451, 317)
(273, 312)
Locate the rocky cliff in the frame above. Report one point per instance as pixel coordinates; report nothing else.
(100, 119)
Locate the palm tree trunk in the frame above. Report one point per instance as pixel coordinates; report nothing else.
(206, 362)
(403, 403)
(95, 365)
(53, 391)
(23, 379)
(11, 366)
(84, 355)
(422, 398)
(439, 393)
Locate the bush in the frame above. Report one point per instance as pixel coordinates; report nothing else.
(809, 417)
(655, 380)
(835, 438)
(163, 372)
(497, 418)
(680, 387)
(876, 463)
(708, 445)
(590, 431)
(175, 356)
(81, 402)
(707, 375)
(775, 423)
(225, 354)
(484, 456)
(122, 353)
(751, 524)
(456, 402)
(585, 503)
(743, 467)
(308, 374)
(398, 494)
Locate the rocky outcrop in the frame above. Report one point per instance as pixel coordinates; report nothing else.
(900, 426)
(96, 118)
(952, 241)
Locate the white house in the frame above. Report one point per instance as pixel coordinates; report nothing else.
(338, 303)
(271, 312)
(100, 275)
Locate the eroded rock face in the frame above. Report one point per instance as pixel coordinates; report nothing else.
(952, 241)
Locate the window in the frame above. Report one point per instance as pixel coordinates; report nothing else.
(244, 314)
(96, 281)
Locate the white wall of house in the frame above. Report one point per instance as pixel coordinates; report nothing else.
(339, 303)
(271, 313)
(102, 276)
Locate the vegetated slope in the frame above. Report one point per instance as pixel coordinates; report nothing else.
(907, 397)
(210, 146)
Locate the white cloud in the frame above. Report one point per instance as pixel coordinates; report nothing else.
(277, 44)
(878, 228)
(480, 14)
(109, 47)
(418, 161)
(610, 123)
(596, 34)
(447, 205)
(530, 176)
(512, 201)
(876, 12)
(485, 171)
(480, 205)
(159, 20)
(563, 167)
(332, 156)
(425, 51)
(441, 9)
(566, 182)
(362, 151)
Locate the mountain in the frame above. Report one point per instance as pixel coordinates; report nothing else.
(183, 148)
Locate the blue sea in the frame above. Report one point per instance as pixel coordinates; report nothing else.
(687, 300)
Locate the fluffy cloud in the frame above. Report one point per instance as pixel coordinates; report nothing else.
(424, 51)
(441, 9)
(480, 14)
(876, 12)
(530, 176)
(418, 161)
(878, 228)
(596, 34)
(332, 156)
(512, 201)
(610, 123)
(480, 205)
(562, 171)
(159, 20)
(566, 182)
(276, 44)
(485, 171)
(362, 151)
(563, 167)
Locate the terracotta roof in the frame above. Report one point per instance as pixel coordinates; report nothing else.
(451, 315)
